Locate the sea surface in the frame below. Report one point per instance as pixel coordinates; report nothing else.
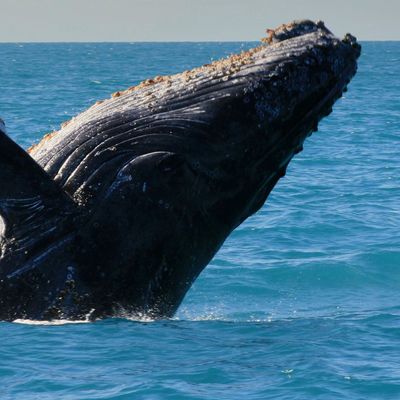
(302, 301)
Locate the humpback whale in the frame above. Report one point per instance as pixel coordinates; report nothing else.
(123, 207)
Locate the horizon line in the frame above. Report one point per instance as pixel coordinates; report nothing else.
(162, 41)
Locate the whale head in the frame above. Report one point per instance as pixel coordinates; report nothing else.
(264, 103)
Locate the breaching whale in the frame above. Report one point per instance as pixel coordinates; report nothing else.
(123, 207)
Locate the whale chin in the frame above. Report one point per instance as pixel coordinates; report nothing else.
(124, 206)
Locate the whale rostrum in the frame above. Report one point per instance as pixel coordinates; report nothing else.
(121, 209)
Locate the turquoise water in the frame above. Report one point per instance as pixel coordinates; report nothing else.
(302, 301)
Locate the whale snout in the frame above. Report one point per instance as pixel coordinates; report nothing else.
(305, 69)
(277, 98)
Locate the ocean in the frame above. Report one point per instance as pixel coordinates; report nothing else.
(303, 299)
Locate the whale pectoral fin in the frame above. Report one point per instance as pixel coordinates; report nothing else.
(26, 191)
(20, 175)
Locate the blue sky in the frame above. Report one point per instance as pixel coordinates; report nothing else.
(188, 20)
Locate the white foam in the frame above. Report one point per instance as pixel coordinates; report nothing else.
(55, 321)
(2, 227)
(49, 323)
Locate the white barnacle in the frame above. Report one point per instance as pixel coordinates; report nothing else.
(2, 226)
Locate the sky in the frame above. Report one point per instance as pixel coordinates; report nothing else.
(188, 20)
